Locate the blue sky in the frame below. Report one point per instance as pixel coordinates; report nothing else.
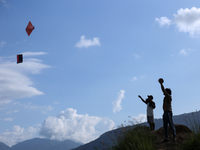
(86, 62)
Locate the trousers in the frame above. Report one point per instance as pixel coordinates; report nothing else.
(167, 119)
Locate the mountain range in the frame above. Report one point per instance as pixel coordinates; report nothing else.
(108, 138)
(41, 144)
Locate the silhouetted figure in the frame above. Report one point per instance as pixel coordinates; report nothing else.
(150, 106)
(167, 108)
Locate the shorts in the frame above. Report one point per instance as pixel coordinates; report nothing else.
(150, 119)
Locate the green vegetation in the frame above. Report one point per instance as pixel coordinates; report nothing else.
(194, 140)
(192, 143)
(137, 138)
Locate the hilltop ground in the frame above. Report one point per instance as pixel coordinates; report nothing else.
(183, 133)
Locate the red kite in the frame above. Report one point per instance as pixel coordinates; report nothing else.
(19, 58)
(29, 28)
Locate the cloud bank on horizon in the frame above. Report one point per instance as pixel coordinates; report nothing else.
(77, 127)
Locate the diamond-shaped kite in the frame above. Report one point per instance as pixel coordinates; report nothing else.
(29, 28)
(19, 58)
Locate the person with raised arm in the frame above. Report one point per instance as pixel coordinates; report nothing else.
(150, 106)
(167, 108)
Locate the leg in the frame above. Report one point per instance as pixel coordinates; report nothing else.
(148, 120)
(172, 124)
(153, 124)
(165, 124)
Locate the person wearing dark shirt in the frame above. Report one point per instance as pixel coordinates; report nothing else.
(167, 108)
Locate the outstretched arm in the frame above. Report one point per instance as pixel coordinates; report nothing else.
(162, 87)
(142, 99)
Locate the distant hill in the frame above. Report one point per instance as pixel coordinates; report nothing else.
(41, 144)
(4, 146)
(108, 138)
(45, 144)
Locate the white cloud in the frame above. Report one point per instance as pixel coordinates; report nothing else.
(134, 79)
(33, 53)
(117, 103)
(186, 52)
(14, 81)
(183, 52)
(137, 78)
(186, 20)
(2, 44)
(8, 119)
(43, 109)
(4, 3)
(18, 134)
(163, 21)
(137, 55)
(87, 42)
(139, 119)
(70, 125)
(14, 111)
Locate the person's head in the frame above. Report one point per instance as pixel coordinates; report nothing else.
(150, 97)
(168, 91)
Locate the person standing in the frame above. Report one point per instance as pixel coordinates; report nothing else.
(150, 106)
(167, 108)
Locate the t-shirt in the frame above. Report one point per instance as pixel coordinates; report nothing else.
(149, 110)
(167, 106)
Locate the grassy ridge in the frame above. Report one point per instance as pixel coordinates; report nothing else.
(137, 138)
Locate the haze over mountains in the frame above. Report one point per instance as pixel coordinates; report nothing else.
(106, 138)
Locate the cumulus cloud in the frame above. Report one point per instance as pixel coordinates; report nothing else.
(77, 127)
(163, 21)
(15, 82)
(18, 134)
(186, 20)
(117, 103)
(87, 42)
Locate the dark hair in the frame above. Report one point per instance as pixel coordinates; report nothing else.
(150, 97)
(168, 91)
